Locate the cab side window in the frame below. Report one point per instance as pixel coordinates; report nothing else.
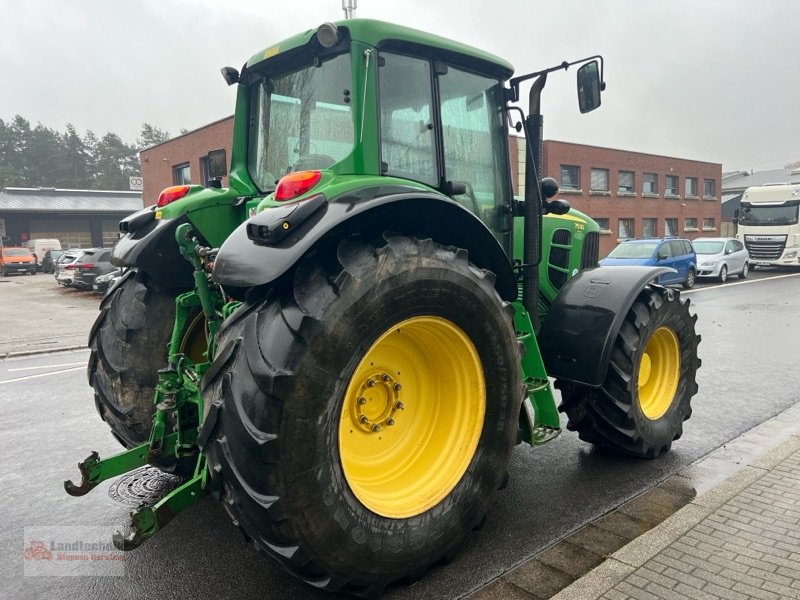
(407, 130)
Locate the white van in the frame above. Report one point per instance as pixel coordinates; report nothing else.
(40, 246)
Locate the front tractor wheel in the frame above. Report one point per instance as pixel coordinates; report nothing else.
(641, 406)
(361, 416)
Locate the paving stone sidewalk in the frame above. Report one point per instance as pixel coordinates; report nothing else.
(739, 540)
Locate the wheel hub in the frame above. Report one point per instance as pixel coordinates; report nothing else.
(377, 402)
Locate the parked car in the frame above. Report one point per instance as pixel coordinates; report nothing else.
(64, 267)
(102, 283)
(49, 259)
(93, 262)
(16, 260)
(676, 253)
(720, 257)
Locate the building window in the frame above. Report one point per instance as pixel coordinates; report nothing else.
(690, 224)
(708, 224)
(709, 189)
(625, 183)
(625, 228)
(670, 226)
(671, 185)
(649, 227)
(691, 187)
(602, 222)
(599, 181)
(181, 175)
(650, 184)
(570, 177)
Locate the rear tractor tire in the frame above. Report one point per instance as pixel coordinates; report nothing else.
(128, 344)
(361, 416)
(641, 406)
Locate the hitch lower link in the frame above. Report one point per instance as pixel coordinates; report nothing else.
(179, 447)
(178, 411)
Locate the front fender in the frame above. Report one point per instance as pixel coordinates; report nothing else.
(243, 263)
(577, 337)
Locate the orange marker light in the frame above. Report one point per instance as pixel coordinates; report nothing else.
(170, 194)
(295, 184)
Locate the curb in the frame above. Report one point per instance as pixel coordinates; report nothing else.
(41, 351)
(625, 561)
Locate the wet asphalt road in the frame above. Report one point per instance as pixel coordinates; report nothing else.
(749, 352)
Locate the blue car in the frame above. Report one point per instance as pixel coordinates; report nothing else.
(676, 253)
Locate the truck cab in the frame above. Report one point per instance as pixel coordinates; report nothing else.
(768, 224)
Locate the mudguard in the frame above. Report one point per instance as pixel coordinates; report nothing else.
(151, 247)
(577, 337)
(256, 254)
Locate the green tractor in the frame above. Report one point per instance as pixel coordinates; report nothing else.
(346, 343)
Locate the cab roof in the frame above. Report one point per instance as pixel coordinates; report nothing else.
(377, 33)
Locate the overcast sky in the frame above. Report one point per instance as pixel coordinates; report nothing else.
(712, 80)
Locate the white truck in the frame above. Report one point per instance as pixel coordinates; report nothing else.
(768, 224)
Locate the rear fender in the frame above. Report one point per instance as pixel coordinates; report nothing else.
(244, 263)
(577, 337)
(152, 248)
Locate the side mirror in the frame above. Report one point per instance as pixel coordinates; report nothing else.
(217, 164)
(661, 255)
(589, 86)
(549, 187)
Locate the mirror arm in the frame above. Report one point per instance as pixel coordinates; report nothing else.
(515, 81)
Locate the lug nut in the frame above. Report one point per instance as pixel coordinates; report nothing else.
(370, 383)
(386, 377)
(398, 405)
(389, 422)
(362, 401)
(362, 419)
(376, 428)
(397, 387)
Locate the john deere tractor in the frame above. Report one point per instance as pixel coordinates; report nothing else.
(346, 343)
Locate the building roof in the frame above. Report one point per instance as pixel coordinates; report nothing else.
(738, 182)
(57, 200)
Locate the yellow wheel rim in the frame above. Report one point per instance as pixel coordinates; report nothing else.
(194, 342)
(659, 372)
(411, 417)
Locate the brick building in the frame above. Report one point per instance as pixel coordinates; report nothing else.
(183, 159)
(630, 194)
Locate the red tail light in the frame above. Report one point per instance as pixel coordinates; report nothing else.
(170, 194)
(70, 267)
(296, 184)
(86, 266)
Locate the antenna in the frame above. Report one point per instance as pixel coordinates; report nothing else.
(349, 8)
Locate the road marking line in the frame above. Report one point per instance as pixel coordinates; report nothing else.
(46, 367)
(41, 375)
(727, 285)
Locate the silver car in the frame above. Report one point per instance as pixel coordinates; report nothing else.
(64, 267)
(721, 257)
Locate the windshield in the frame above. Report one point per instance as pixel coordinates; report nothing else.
(753, 214)
(16, 252)
(708, 247)
(300, 120)
(643, 250)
